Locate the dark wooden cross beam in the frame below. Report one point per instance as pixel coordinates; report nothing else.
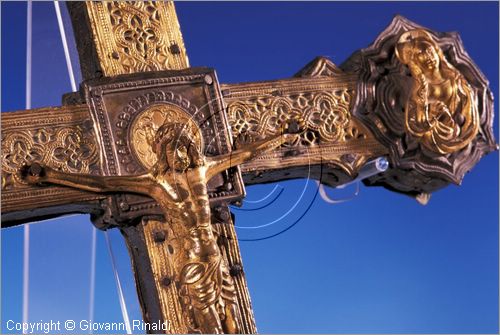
(385, 100)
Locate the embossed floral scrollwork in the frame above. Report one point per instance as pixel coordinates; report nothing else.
(71, 152)
(280, 113)
(138, 34)
(242, 118)
(322, 117)
(66, 149)
(328, 116)
(19, 149)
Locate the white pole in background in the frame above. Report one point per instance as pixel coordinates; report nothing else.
(121, 297)
(65, 45)
(26, 237)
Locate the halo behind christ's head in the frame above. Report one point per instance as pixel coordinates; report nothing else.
(144, 130)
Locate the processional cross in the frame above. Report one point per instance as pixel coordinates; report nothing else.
(159, 150)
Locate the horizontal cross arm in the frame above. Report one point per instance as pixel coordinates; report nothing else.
(60, 137)
(320, 107)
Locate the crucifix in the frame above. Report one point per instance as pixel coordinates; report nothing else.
(413, 96)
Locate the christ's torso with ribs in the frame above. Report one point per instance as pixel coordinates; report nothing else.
(202, 274)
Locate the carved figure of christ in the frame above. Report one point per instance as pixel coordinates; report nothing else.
(178, 183)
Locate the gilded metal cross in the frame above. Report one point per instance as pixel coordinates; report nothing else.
(148, 139)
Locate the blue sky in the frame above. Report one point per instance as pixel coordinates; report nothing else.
(378, 264)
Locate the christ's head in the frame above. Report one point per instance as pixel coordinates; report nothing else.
(175, 147)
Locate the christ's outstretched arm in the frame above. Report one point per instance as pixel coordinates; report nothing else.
(35, 174)
(240, 156)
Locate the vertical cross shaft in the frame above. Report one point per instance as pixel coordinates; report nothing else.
(119, 38)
